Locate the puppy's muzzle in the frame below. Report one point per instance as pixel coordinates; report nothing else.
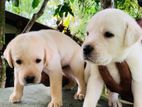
(29, 79)
(87, 50)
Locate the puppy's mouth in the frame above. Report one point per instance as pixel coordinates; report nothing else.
(28, 81)
(98, 60)
(89, 59)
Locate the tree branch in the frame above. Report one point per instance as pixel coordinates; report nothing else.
(35, 17)
(2, 34)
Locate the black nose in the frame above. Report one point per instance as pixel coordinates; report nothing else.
(30, 79)
(87, 49)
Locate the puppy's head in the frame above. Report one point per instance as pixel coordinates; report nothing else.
(27, 55)
(110, 35)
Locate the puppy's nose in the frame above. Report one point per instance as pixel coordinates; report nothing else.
(87, 49)
(30, 79)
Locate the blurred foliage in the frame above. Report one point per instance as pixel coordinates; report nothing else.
(63, 9)
(72, 14)
(35, 3)
(14, 2)
(129, 6)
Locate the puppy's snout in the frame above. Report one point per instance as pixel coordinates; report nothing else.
(30, 79)
(87, 49)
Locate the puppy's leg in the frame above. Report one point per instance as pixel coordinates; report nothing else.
(55, 76)
(113, 100)
(94, 90)
(137, 93)
(80, 94)
(78, 74)
(87, 72)
(18, 90)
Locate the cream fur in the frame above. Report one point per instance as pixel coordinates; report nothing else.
(55, 50)
(125, 45)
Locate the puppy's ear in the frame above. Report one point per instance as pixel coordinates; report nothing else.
(133, 33)
(7, 55)
(47, 56)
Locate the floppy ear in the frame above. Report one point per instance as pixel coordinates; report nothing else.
(7, 55)
(133, 33)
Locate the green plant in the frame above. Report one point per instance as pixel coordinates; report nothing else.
(73, 14)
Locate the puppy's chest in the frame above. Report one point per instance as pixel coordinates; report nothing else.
(117, 78)
(113, 71)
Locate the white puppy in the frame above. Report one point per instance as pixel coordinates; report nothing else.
(47, 50)
(113, 36)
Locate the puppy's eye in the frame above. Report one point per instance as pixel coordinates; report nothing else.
(19, 62)
(87, 33)
(38, 60)
(108, 35)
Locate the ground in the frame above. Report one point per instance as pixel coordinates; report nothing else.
(39, 96)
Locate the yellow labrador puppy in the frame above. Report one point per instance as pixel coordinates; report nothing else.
(47, 50)
(113, 36)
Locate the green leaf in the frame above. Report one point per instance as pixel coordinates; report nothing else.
(15, 3)
(57, 10)
(71, 1)
(61, 14)
(66, 14)
(63, 9)
(70, 11)
(35, 3)
(97, 1)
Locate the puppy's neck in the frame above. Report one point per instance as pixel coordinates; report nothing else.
(130, 52)
(135, 53)
(123, 55)
(134, 60)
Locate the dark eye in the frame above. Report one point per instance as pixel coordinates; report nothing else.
(87, 33)
(108, 35)
(19, 62)
(38, 60)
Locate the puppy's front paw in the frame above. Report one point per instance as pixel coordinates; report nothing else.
(54, 104)
(114, 103)
(15, 98)
(79, 96)
(113, 100)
